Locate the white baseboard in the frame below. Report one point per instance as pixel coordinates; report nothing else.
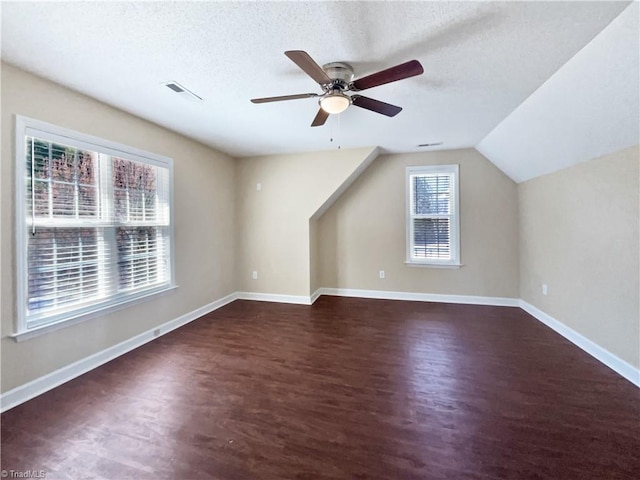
(615, 363)
(315, 295)
(274, 297)
(47, 382)
(421, 297)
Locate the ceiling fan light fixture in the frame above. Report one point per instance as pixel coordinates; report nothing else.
(335, 102)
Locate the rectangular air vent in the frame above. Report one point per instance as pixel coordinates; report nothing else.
(179, 89)
(175, 87)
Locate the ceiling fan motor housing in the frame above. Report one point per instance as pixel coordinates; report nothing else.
(341, 74)
(334, 100)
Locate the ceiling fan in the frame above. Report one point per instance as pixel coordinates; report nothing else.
(336, 79)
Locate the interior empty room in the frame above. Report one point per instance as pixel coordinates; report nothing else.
(320, 240)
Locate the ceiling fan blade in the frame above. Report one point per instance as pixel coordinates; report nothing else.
(376, 105)
(283, 97)
(321, 117)
(393, 74)
(308, 65)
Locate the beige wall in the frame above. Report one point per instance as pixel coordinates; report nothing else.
(273, 228)
(298, 239)
(579, 235)
(204, 232)
(365, 231)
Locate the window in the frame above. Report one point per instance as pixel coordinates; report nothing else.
(433, 216)
(93, 224)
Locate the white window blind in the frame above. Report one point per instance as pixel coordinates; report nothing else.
(94, 224)
(432, 217)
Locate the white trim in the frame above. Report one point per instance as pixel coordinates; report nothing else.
(315, 295)
(433, 265)
(421, 297)
(82, 317)
(612, 361)
(32, 126)
(21, 286)
(454, 215)
(27, 327)
(51, 380)
(47, 382)
(274, 297)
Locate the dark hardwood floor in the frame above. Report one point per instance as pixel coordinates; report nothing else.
(345, 389)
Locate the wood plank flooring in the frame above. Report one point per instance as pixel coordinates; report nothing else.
(345, 389)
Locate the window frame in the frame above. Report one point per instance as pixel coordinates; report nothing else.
(454, 261)
(25, 126)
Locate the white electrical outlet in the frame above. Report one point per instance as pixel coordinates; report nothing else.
(544, 288)
(381, 273)
(254, 275)
(258, 186)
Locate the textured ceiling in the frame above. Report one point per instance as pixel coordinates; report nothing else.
(481, 60)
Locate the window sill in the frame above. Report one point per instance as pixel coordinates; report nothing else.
(434, 265)
(51, 327)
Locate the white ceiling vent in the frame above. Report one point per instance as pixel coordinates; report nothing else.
(182, 91)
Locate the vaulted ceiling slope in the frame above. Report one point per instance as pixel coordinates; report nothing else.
(481, 60)
(588, 108)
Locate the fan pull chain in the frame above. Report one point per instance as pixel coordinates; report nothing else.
(330, 130)
(331, 122)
